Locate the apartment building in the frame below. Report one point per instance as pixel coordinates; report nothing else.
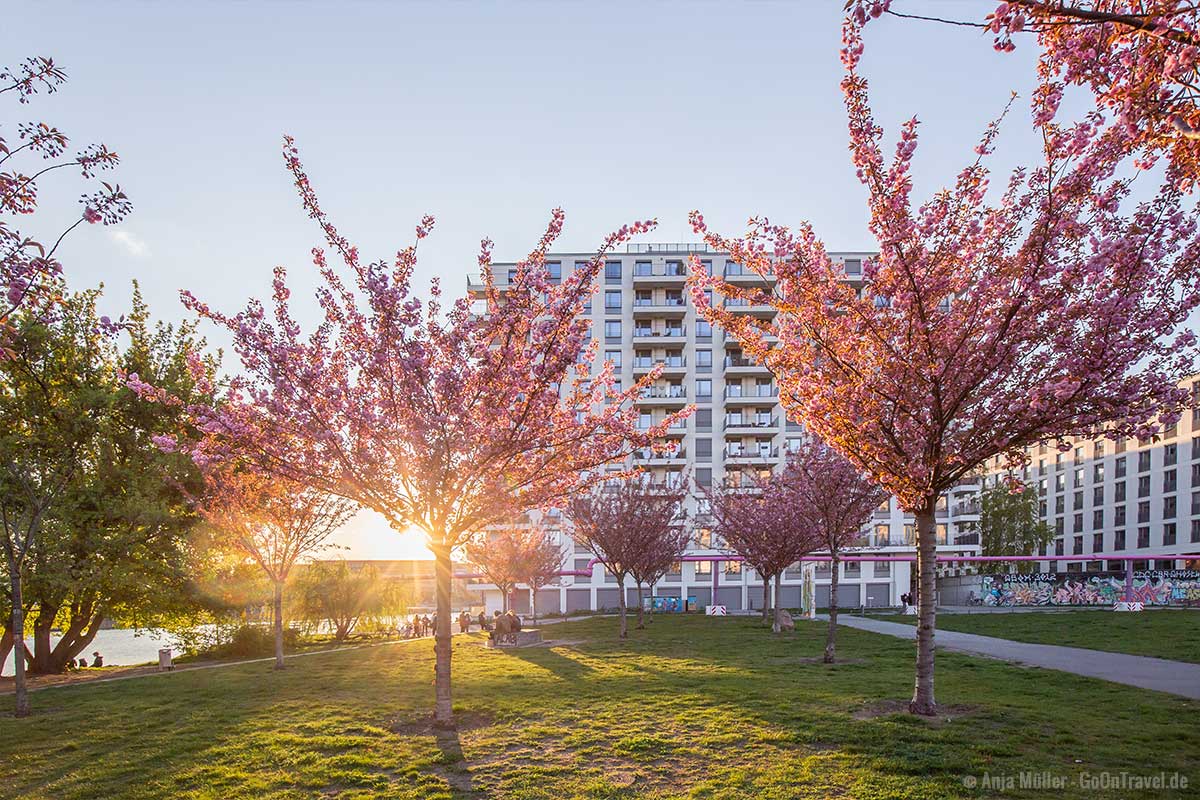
(1136, 499)
(642, 316)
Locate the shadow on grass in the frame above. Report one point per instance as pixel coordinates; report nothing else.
(552, 659)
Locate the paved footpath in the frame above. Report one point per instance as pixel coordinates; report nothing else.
(1173, 677)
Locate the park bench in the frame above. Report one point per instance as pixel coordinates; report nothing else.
(523, 638)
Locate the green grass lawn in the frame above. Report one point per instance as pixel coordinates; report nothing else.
(693, 707)
(1173, 634)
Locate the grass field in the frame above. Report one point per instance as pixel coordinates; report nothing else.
(1173, 634)
(693, 707)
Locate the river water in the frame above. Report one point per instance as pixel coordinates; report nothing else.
(120, 647)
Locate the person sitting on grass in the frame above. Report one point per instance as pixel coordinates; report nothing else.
(98, 660)
(484, 625)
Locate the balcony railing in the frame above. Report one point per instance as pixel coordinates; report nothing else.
(672, 269)
(666, 302)
(669, 333)
(672, 362)
(749, 422)
(763, 453)
(741, 361)
(653, 392)
(756, 393)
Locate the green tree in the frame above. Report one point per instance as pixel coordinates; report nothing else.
(95, 518)
(1009, 524)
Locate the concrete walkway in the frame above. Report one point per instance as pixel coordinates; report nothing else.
(1159, 674)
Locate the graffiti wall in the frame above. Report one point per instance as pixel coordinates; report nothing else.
(1152, 587)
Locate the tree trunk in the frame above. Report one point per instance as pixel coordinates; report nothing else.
(641, 624)
(532, 604)
(504, 593)
(20, 690)
(831, 634)
(778, 593)
(279, 625)
(766, 611)
(443, 712)
(621, 606)
(41, 639)
(923, 700)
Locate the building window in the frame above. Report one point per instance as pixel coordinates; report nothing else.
(1121, 465)
(1060, 482)
(703, 388)
(1097, 542)
(1098, 518)
(703, 329)
(581, 564)
(1077, 546)
(1077, 501)
(1058, 547)
(1143, 511)
(852, 569)
(1144, 486)
(554, 271)
(733, 568)
(1098, 496)
(1098, 473)
(612, 271)
(704, 448)
(1078, 477)
(1196, 502)
(612, 329)
(612, 301)
(1078, 523)
(614, 356)
(881, 569)
(1119, 540)
(1144, 461)
(1170, 454)
(703, 568)
(1060, 504)
(1196, 530)
(1169, 533)
(704, 419)
(1169, 507)
(704, 474)
(1119, 515)
(1143, 536)
(704, 358)
(1120, 490)
(1169, 481)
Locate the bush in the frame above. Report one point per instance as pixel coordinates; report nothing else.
(250, 641)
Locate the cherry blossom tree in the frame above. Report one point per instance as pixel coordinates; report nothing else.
(540, 566)
(620, 521)
(445, 418)
(1140, 59)
(767, 523)
(838, 500)
(501, 555)
(29, 271)
(273, 522)
(660, 548)
(986, 324)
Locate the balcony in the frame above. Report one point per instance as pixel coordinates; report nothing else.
(756, 396)
(737, 275)
(967, 538)
(663, 395)
(740, 365)
(673, 274)
(666, 336)
(672, 365)
(967, 508)
(735, 423)
(647, 457)
(738, 305)
(662, 307)
(749, 455)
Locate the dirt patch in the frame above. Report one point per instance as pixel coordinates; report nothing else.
(945, 712)
(426, 726)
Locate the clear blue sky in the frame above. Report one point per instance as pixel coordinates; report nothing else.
(485, 115)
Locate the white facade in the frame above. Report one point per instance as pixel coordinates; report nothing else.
(1139, 500)
(642, 315)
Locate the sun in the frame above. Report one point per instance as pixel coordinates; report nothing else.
(368, 536)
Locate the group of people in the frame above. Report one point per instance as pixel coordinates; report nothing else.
(505, 627)
(418, 626)
(506, 623)
(97, 661)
